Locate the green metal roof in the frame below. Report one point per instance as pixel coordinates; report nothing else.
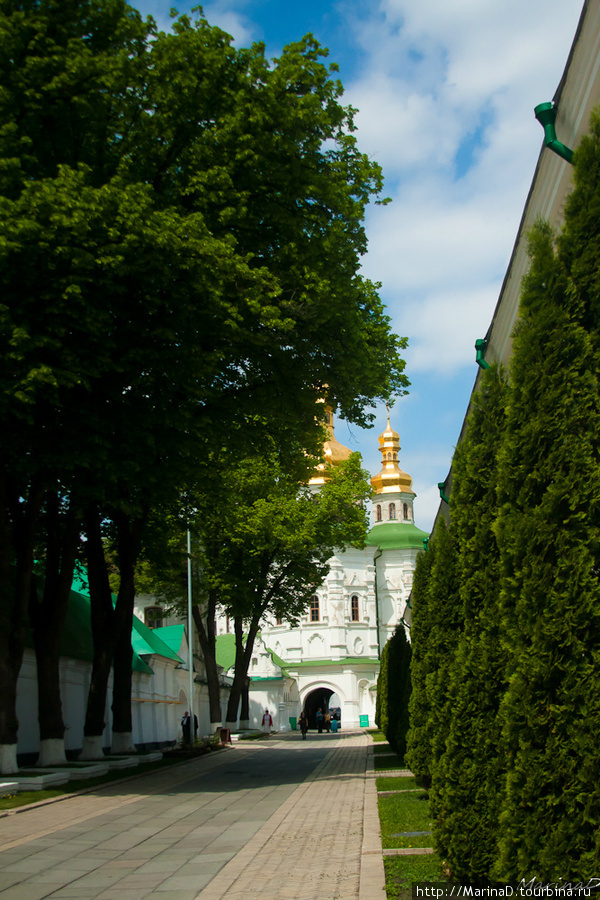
(266, 678)
(225, 651)
(76, 638)
(172, 636)
(145, 641)
(346, 661)
(396, 536)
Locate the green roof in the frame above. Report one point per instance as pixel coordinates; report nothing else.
(346, 661)
(145, 641)
(76, 637)
(172, 636)
(266, 678)
(225, 651)
(396, 536)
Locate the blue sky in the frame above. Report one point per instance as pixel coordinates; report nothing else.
(445, 91)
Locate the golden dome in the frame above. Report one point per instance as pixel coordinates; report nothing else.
(333, 452)
(391, 478)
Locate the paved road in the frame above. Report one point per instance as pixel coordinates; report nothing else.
(278, 820)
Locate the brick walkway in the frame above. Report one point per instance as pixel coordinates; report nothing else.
(206, 830)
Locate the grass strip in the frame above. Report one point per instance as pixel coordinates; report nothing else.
(377, 735)
(401, 872)
(388, 762)
(405, 812)
(395, 783)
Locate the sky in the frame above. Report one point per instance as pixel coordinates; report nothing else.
(445, 92)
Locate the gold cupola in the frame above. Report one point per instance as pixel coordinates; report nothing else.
(391, 479)
(333, 452)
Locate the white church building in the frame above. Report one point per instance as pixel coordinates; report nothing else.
(331, 659)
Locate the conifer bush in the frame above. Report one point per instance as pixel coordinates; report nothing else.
(548, 531)
(419, 738)
(381, 702)
(468, 780)
(399, 689)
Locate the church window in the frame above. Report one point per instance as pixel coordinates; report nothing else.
(314, 609)
(227, 624)
(405, 510)
(392, 511)
(378, 512)
(153, 616)
(354, 608)
(279, 620)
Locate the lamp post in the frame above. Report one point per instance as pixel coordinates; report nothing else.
(190, 639)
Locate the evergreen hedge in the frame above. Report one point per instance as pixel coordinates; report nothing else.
(469, 778)
(399, 689)
(549, 534)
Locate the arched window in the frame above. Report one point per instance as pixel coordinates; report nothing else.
(153, 616)
(314, 609)
(378, 512)
(279, 620)
(405, 510)
(354, 608)
(392, 511)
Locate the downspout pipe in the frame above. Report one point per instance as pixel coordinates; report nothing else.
(480, 348)
(442, 494)
(545, 113)
(375, 558)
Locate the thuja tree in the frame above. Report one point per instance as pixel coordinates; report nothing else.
(419, 737)
(549, 534)
(381, 702)
(469, 778)
(398, 690)
(434, 636)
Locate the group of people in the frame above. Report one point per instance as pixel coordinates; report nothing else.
(324, 721)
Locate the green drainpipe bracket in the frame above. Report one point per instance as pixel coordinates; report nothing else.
(442, 494)
(545, 113)
(426, 544)
(480, 348)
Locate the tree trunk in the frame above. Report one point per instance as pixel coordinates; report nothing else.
(103, 636)
(245, 708)
(128, 539)
(18, 523)
(48, 616)
(243, 655)
(207, 638)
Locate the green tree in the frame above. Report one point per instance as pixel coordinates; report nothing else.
(181, 231)
(399, 690)
(549, 535)
(419, 739)
(281, 538)
(468, 782)
(381, 702)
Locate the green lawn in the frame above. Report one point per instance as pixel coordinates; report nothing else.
(405, 813)
(377, 735)
(401, 872)
(388, 762)
(395, 782)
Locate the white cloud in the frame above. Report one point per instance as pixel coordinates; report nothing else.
(445, 97)
(232, 21)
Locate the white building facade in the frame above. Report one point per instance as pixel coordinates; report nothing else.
(331, 659)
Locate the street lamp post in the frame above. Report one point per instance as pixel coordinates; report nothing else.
(190, 639)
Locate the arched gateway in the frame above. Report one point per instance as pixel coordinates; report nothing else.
(319, 697)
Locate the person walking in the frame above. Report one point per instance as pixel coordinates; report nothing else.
(320, 718)
(327, 722)
(303, 722)
(267, 722)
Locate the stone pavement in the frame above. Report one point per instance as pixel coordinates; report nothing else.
(280, 820)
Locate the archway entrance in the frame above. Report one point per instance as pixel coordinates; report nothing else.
(317, 698)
